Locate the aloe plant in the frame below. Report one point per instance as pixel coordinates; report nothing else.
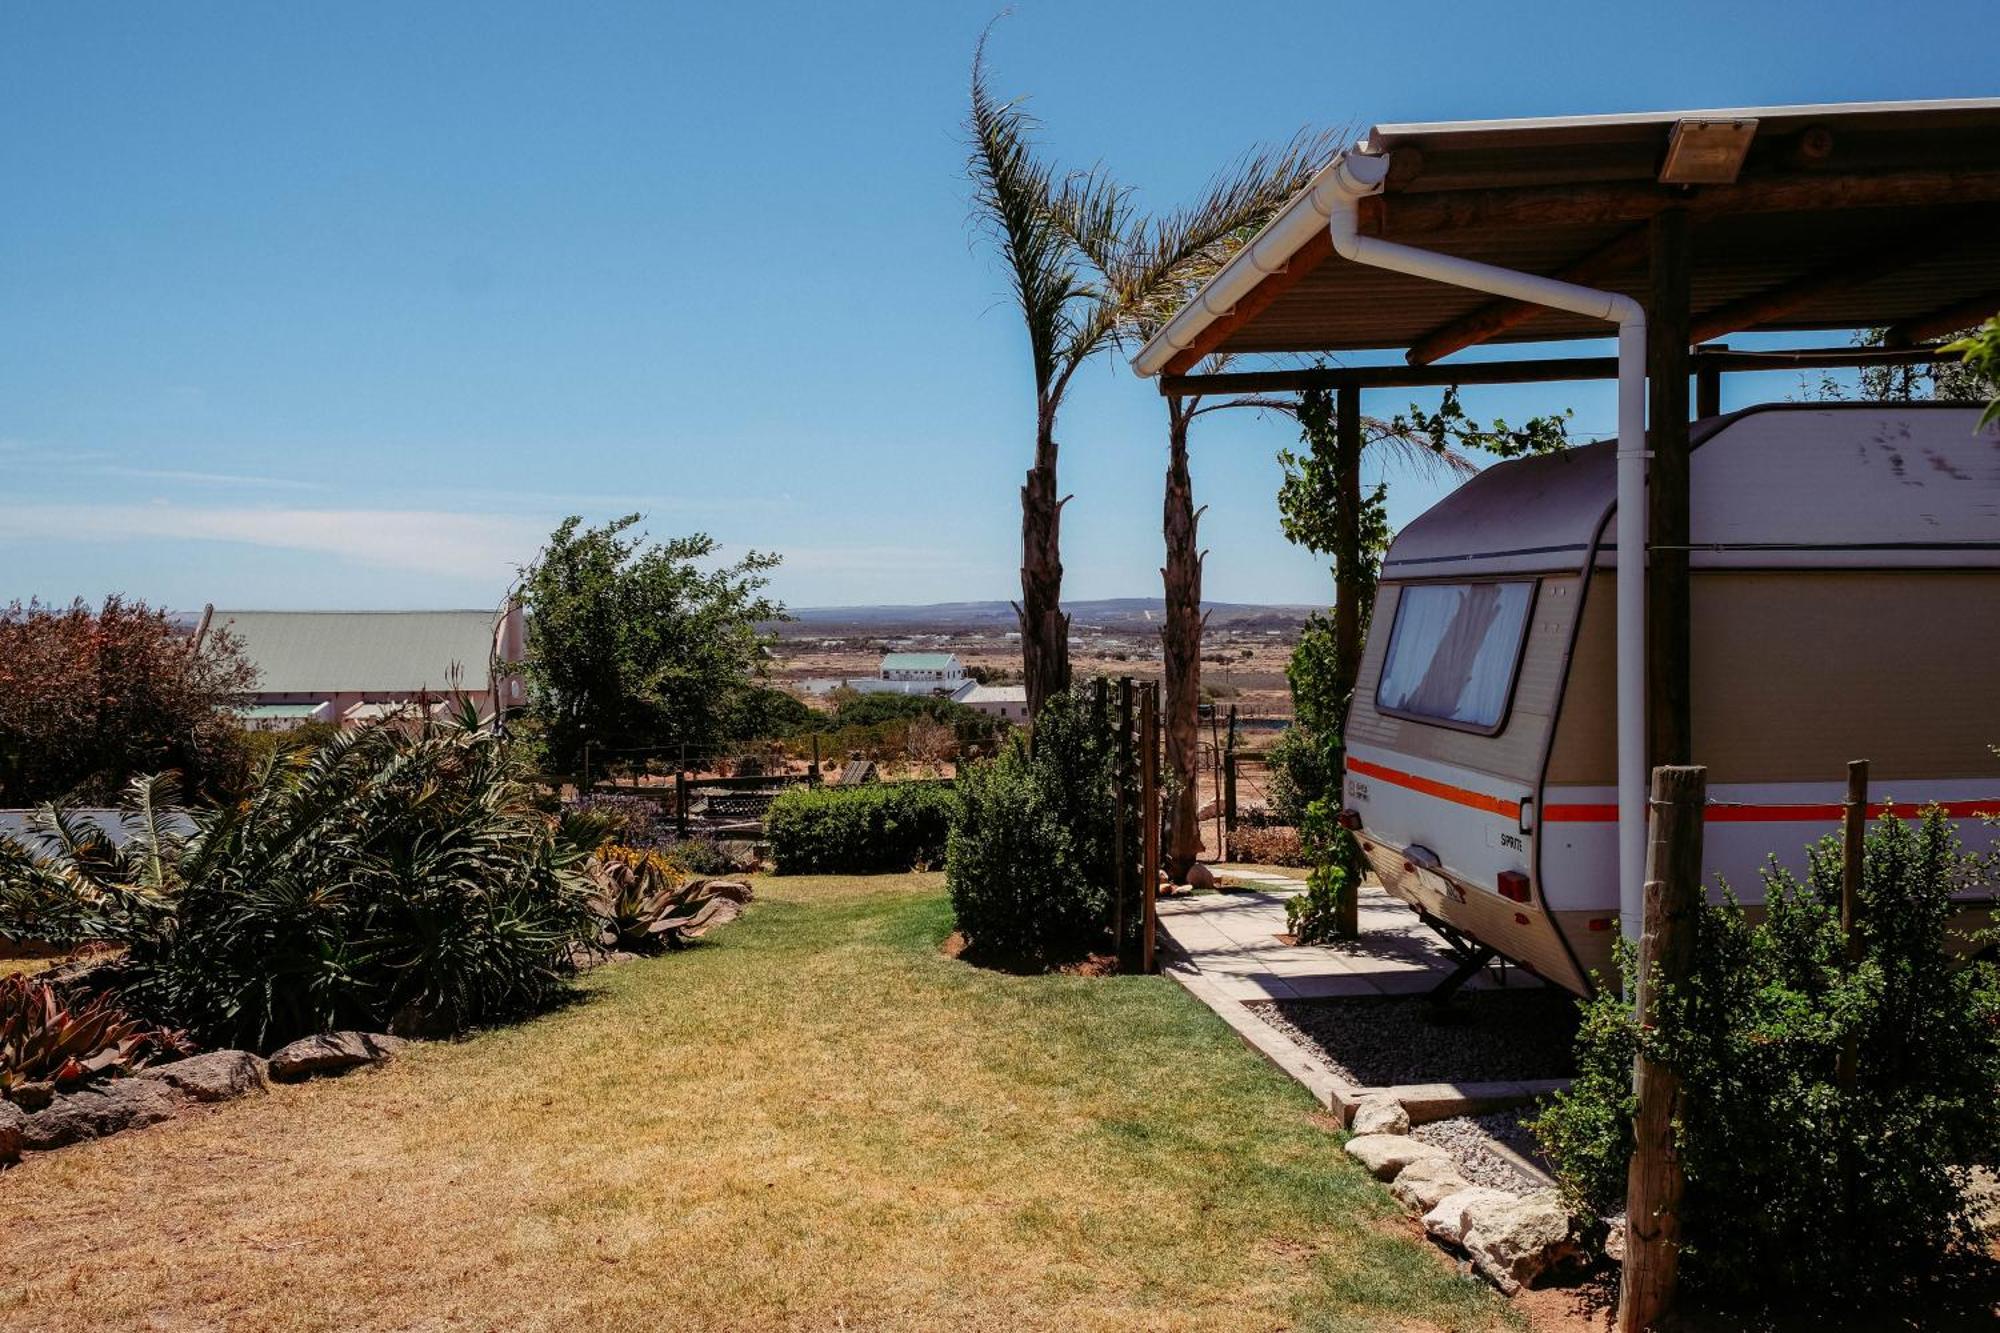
(43, 1040)
(644, 904)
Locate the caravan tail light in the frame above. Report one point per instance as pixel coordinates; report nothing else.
(1350, 820)
(1603, 922)
(1514, 886)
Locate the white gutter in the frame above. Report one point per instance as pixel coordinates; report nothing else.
(1353, 176)
(1333, 200)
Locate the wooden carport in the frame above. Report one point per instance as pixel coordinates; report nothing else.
(1716, 222)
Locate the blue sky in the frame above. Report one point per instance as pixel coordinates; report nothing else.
(347, 305)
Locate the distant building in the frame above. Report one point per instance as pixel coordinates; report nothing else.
(352, 667)
(942, 669)
(1008, 702)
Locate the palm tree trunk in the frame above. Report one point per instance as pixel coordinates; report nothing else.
(1044, 627)
(1181, 643)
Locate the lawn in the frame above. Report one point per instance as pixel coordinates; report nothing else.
(816, 1121)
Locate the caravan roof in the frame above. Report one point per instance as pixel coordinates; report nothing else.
(1803, 485)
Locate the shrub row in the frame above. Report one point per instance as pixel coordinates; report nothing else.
(860, 830)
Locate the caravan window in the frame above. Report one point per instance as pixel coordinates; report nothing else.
(1453, 652)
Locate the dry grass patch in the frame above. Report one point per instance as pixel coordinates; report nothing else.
(816, 1120)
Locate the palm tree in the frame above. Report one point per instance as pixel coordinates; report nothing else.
(1083, 271)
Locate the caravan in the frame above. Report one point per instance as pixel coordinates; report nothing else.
(1845, 595)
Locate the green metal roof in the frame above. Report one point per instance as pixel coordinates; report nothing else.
(324, 652)
(919, 661)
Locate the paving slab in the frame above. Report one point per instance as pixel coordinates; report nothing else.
(1226, 949)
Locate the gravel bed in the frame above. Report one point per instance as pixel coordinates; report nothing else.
(1470, 1139)
(1491, 1035)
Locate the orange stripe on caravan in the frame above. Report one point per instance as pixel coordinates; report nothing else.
(1444, 791)
(1732, 813)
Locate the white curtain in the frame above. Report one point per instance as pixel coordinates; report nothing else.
(1452, 651)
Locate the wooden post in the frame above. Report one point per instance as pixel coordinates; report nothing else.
(586, 769)
(1708, 384)
(681, 801)
(1654, 1182)
(1149, 819)
(1121, 844)
(1215, 753)
(1669, 728)
(1347, 607)
(1853, 861)
(1229, 788)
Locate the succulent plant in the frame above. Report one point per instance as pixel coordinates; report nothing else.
(644, 904)
(45, 1041)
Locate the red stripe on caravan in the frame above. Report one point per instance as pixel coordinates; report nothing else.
(1728, 812)
(1444, 791)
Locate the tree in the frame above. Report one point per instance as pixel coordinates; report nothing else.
(634, 643)
(1082, 269)
(89, 698)
(1970, 379)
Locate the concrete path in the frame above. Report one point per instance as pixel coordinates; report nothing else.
(1231, 941)
(1225, 949)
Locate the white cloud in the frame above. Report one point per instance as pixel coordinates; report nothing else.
(468, 545)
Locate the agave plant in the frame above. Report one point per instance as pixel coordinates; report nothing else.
(393, 872)
(644, 904)
(44, 1041)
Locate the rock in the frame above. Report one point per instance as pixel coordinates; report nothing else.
(91, 1113)
(382, 1045)
(1200, 876)
(1614, 1239)
(327, 1053)
(13, 1120)
(1424, 1183)
(1512, 1240)
(215, 1076)
(736, 890)
(33, 1096)
(1387, 1154)
(1380, 1115)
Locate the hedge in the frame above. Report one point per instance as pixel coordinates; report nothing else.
(860, 830)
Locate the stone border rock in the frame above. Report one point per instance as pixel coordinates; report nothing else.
(164, 1091)
(1511, 1239)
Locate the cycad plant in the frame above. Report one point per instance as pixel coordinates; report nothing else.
(399, 875)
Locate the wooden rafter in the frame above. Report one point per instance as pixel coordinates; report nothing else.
(1303, 261)
(1405, 215)
(1845, 274)
(1949, 319)
(1625, 252)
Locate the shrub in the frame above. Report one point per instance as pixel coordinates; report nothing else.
(88, 698)
(43, 1040)
(1301, 773)
(1031, 859)
(644, 904)
(1274, 845)
(1801, 1191)
(393, 877)
(860, 830)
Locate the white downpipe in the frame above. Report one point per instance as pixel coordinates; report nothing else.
(1336, 195)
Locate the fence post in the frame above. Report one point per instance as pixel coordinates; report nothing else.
(812, 774)
(1654, 1182)
(681, 801)
(586, 768)
(1853, 854)
(1149, 820)
(1120, 849)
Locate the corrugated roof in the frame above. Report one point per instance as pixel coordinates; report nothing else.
(326, 652)
(919, 661)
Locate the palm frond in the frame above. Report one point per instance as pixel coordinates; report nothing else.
(1014, 203)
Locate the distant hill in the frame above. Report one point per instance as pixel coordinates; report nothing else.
(1112, 614)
